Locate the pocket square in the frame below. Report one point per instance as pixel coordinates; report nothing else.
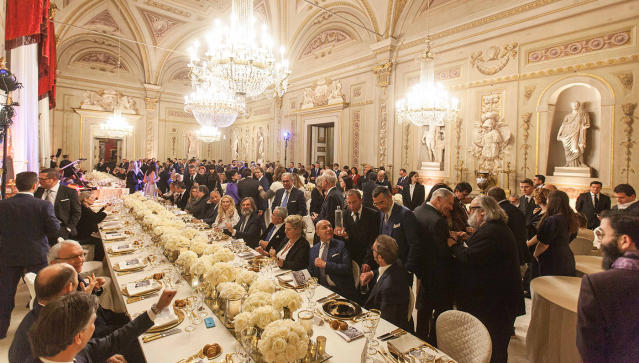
(396, 225)
(334, 255)
(64, 200)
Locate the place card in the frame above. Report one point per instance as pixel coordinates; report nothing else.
(124, 247)
(141, 287)
(130, 264)
(114, 236)
(351, 333)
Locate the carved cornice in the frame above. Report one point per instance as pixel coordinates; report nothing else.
(495, 60)
(579, 47)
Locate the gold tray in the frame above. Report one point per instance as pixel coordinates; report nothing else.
(125, 292)
(342, 309)
(116, 267)
(180, 315)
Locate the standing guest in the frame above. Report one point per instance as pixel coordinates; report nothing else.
(330, 262)
(231, 185)
(189, 177)
(139, 173)
(541, 199)
(150, 179)
(382, 180)
(262, 179)
(53, 163)
(131, 178)
(317, 198)
(315, 172)
(526, 202)
(68, 171)
(88, 232)
(355, 175)
(249, 226)
(226, 213)
(516, 222)
(390, 292)
(274, 235)
(592, 203)
(491, 283)
(333, 200)
(290, 197)
(413, 192)
(213, 180)
(403, 179)
(292, 255)
(202, 177)
(26, 222)
(460, 214)
(607, 314)
(625, 195)
(556, 229)
(65, 203)
(361, 226)
(345, 183)
(437, 288)
(165, 179)
(539, 181)
(368, 185)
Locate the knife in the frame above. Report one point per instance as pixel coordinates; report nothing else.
(160, 335)
(396, 335)
(389, 333)
(131, 300)
(331, 296)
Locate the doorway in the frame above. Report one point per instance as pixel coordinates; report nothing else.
(321, 143)
(108, 149)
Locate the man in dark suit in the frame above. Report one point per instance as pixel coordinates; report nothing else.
(333, 200)
(516, 223)
(291, 168)
(361, 226)
(592, 203)
(315, 172)
(626, 198)
(249, 187)
(249, 227)
(65, 201)
(390, 292)
(382, 180)
(202, 177)
(262, 179)
(526, 201)
(181, 196)
(212, 206)
(607, 314)
(274, 235)
(368, 185)
(403, 179)
(76, 312)
(330, 262)
(413, 194)
(198, 207)
(290, 197)
(51, 282)
(400, 223)
(189, 178)
(26, 222)
(436, 273)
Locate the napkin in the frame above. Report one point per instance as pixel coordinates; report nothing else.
(165, 317)
(111, 225)
(130, 264)
(141, 287)
(114, 236)
(404, 343)
(350, 334)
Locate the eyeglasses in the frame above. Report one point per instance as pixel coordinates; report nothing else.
(381, 202)
(475, 208)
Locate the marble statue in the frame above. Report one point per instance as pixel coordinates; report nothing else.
(191, 145)
(433, 139)
(236, 145)
(572, 135)
(490, 140)
(260, 145)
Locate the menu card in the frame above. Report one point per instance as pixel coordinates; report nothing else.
(124, 247)
(131, 264)
(350, 334)
(141, 287)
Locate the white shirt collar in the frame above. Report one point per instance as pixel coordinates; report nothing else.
(357, 211)
(382, 269)
(55, 188)
(31, 194)
(625, 205)
(44, 360)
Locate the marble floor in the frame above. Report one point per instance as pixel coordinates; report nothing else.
(516, 349)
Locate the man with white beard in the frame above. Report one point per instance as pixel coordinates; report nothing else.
(490, 286)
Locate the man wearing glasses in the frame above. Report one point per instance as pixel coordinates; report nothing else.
(65, 201)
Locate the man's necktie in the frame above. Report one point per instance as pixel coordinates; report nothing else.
(323, 257)
(243, 224)
(285, 200)
(596, 202)
(48, 196)
(270, 234)
(356, 217)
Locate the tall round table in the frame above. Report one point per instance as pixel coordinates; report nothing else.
(552, 333)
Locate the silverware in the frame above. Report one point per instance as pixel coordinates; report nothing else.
(393, 336)
(389, 333)
(133, 299)
(150, 338)
(329, 297)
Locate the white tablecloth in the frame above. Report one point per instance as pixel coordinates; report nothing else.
(552, 333)
(107, 193)
(588, 264)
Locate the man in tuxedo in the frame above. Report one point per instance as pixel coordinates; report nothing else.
(390, 292)
(290, 197)
(189, 178)
(516, 223)
(403, 179)
(526, 201)
(592, 203)
(76, 312)
(625, 195)
(181, 195)
(382, 180)
(330, 262)
(361, 226)
(437, 288)
(539, 181)
(400, 223)
(199, 206)
(65, 201)
(333, 199)
(607, 314)
(368, 185)
(212, 206)
(249, 187)
(315, 172)
(249, 227)
(274, 235)
(51, 282)
(262, 179)
(26, 222)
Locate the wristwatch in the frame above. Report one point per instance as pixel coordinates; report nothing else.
(155, 309)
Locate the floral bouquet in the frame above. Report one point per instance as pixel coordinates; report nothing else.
(223, 255)
(186, 259)
(229, 289)
(221, 272)
(246, 277)
(263, 316)
(287, 298)
(264, 285)
(256, 300)
(283, 341)
(202, 265)
(242, 321)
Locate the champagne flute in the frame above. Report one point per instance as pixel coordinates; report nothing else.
(188, 308)
(311, 285)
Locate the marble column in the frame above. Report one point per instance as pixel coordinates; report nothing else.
(384, 96)
(152, 119)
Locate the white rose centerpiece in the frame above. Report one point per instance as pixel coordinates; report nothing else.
(283, 341)
(287, 298)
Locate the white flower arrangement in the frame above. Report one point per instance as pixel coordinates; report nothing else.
(221, 272)
(243, 320)
(264, 285)
(190, 233)
(283, 341)
(246, 277)
(186, 259)
(397, 198)
(255, 300)
(230, 289)
(198, 247)
(264, 315)
(211, 249)
(223, 255)
(202, 265)
(287, 298)
(200, 239)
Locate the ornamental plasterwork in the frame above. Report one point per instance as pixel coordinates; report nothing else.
(495, 59)
(104, 21)
(628, 119)
(491, 136)
(356, 123)
(383, 134)
(578, 47)
(101, 58)
(105, 100)
(525, 125)
(158, 24)
(328, 38)
(163, 6)
(323, 94)
(450, 73)
(528, 92)
(626, 79)
(182, 75)
(322, 17)
(383, 72)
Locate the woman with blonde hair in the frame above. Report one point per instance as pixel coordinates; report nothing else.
(227, 213)
(293, 253)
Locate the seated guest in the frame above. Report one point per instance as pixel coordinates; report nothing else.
(88, 224)
(212, 206)
(361, 226)
(170, 193)
(249, 227)
(490, 279)
(292, 255)
(330, 262)
(625, 195)
(274, 234)
(413, 192)
(51, 282)
(226, 213)
(63, 330)
(607, 314)
(390, 292)
(181, 197)
(198, 207)
(194, 196)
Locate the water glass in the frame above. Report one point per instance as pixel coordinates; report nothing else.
(369, 322)
(305, 318)
(309, 291)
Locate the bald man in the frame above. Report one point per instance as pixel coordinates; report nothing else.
(51, 282)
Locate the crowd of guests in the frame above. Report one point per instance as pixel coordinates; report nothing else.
(373, 239)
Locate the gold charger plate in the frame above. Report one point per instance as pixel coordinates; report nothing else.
(113, 253)
(125, 292)
(289, 286)
(116, 267)
(342, 309)
(180, 316)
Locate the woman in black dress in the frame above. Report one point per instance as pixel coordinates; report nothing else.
(413, 194)
(293, 254)
(555, 231)
(88, 224)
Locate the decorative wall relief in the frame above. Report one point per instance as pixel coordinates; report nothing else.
(626, 80)
(150, 104)
(495, 58)
(356, 123)
(528, 92)
(628, 119)
(406, 142)
(491, 137)
(580, 46)
(323, 94)
(108, 61)
(105, 100)
(104, 21)
(326, 39)
(383, 72)
(158, 24)
(525, 126)
(450, 73)
(383, 134)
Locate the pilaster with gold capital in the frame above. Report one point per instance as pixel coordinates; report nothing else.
(152, 116)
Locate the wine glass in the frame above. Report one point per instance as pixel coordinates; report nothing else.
(196, 302)
(188, 308)
(370, 321)
(309, 292)
(248, 340)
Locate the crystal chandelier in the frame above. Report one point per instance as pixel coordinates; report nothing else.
(427, 102)
(240, 56)
(116, 126)
(209, 134)
(212, 105)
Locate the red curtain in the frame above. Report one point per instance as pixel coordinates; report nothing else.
(23, 18)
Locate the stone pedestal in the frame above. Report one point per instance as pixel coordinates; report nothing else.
(431, 165)
(579, 172)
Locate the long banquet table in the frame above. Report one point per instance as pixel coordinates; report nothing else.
(182, 345)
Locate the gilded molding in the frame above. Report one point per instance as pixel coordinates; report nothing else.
(525, 126)
(383, 72)
(176, 11)
(528, 92)
(496, 59)
(628, 119)
(579, 47)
